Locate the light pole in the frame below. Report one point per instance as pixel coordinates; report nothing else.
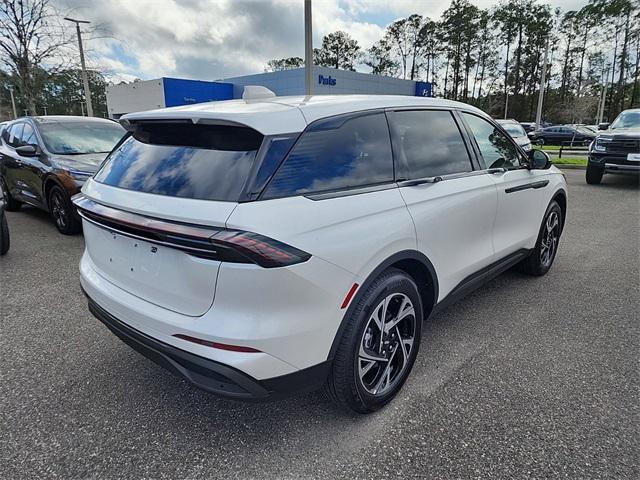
(13, 102)
(85, 79)
(543, 76)
(308, 49)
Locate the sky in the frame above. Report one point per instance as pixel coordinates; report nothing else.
(214, 39)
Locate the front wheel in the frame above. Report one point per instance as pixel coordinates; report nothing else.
(62, 212)
(4, 234)
(594, 175)
(379, 344)
(540, 260)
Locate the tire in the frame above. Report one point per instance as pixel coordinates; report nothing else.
(357, 381)
(594, 175)
(541, 259)
(540, 141)
(4, 234)
(62, 212)
(12, 205)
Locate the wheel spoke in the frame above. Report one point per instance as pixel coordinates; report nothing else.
(370, 356)
(385, 378)
(402, 314)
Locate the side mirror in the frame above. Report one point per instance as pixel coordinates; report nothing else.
(539, 160)
(28, 151)
(603, 125)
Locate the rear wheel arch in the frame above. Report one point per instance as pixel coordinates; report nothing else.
(413, 263)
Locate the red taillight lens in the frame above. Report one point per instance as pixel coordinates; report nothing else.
(219, 346)
(262, 250)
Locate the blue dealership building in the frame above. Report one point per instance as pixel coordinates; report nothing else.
(171, 92)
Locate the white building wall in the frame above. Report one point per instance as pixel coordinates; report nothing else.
(291, 82)
(135, 97)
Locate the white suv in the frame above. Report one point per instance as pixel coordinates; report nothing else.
(263, 246)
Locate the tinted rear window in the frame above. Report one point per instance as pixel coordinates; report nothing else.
(333, 154)
(205, 162)
(429, 143)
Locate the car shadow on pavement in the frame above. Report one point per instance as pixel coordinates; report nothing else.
(619, 182)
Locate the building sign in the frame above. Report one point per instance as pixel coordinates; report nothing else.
(329, 81)
(423, 89)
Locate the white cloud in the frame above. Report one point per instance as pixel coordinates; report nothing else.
(209, 39)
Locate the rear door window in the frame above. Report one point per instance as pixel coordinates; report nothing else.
(428, 143)
(206, 162)
(337, 153)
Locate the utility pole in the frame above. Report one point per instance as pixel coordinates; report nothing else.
(13, 102)
(506, 101)
(85, 79)
(543, 80)
(45, 110)
(308, 49)
(604, 99)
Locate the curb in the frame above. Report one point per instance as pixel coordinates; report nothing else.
(570, 167)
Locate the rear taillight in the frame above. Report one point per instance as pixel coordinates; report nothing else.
(262, 250)
(220, 244)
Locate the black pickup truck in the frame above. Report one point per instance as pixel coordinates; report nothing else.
(616, 149)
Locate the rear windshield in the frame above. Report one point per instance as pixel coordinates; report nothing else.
(205, 162)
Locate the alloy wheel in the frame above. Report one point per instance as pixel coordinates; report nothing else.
(386, 344)
(58, 210)
(550, 238)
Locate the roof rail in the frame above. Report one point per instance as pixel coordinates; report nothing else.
(256, 92)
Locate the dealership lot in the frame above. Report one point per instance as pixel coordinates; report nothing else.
(524, 378)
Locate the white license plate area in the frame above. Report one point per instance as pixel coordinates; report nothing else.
(134, 258)
(162, 275)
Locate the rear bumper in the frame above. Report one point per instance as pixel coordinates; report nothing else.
(208, 374)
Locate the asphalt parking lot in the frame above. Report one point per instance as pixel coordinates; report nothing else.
(525, 378)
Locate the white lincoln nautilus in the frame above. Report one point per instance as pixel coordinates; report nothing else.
(268, 245)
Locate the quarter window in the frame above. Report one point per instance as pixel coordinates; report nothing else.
(428, 143)
(497, 150)
(336, 153)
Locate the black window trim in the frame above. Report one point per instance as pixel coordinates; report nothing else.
(476, 148)
(248, 193)
(344, 191)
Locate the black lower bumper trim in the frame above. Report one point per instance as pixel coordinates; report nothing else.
(208, 374)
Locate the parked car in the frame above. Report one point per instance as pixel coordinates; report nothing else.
(4, 227)
(45, 160)
(515, 130)
(562, 135)
(616, 149)
(529, 126)
(275, 244)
